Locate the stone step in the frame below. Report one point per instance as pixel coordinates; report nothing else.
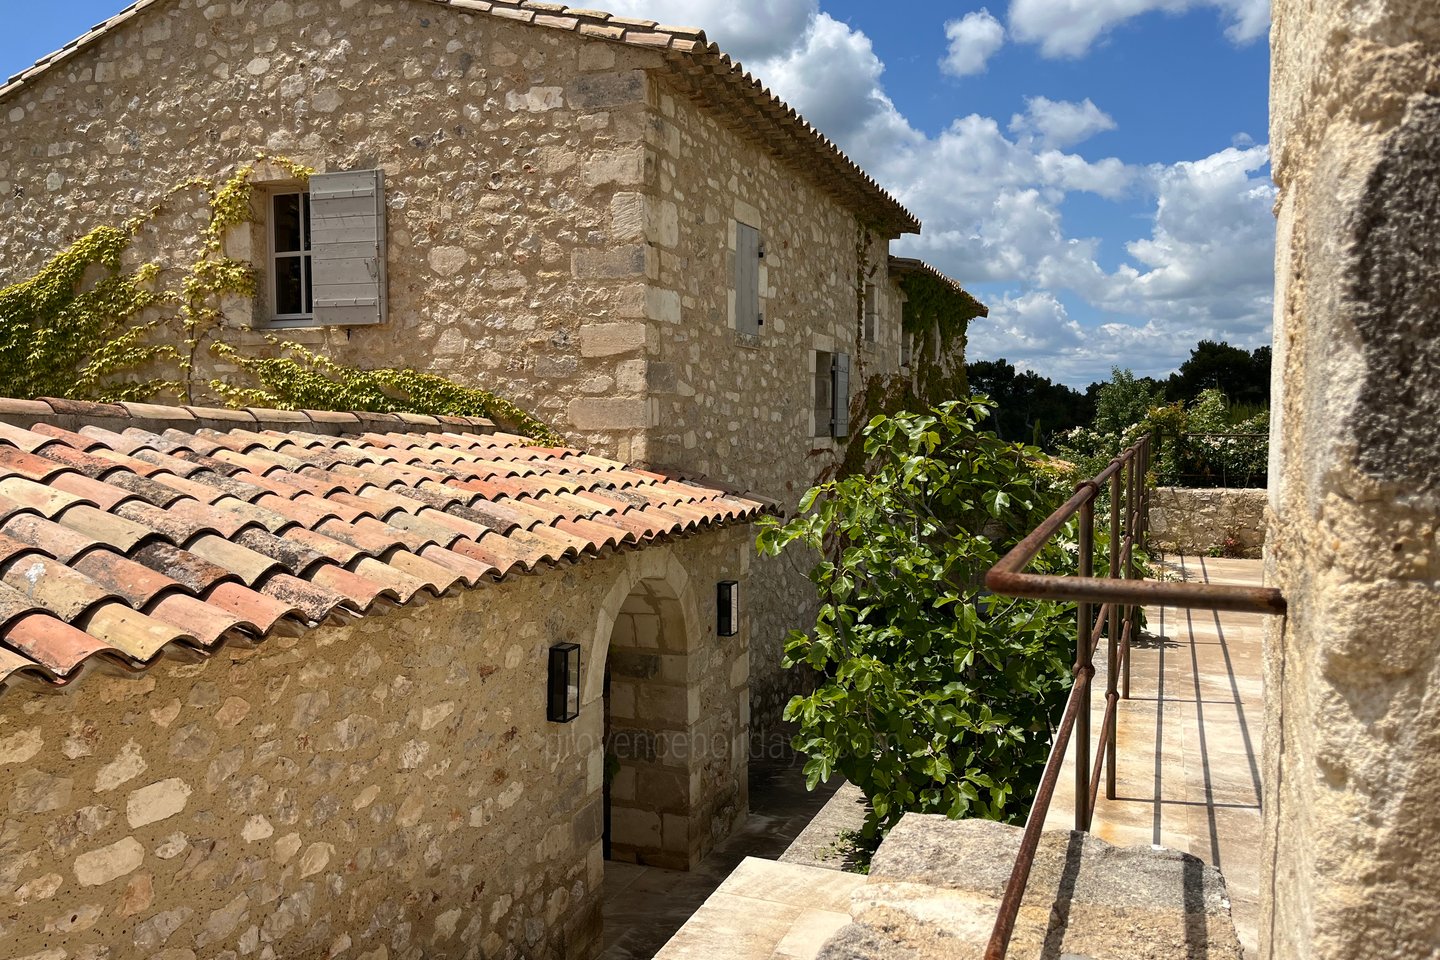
(764, 910)
(933, 892)
(935, 885)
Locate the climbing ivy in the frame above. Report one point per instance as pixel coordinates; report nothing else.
(78, 328)
(936, 315)
(62, 337)
(309, 381)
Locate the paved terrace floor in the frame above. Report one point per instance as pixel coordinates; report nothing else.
(1188, 740)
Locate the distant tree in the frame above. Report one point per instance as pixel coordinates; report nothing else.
(1242, 376)
(1029, 408)
(1126, 399)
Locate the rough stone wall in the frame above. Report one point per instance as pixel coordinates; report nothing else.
(1353, 726)
(1197, 521)
(389, 789)
(512, 155)
(738, 408)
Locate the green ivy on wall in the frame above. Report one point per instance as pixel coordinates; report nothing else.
(84, 328)
(936, 315)
(309, 381)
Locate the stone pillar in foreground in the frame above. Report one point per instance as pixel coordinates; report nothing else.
(1352, 733)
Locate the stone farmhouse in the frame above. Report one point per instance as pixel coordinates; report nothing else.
(604, 220)
(290, 725)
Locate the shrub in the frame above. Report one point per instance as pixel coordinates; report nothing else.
(932, 695)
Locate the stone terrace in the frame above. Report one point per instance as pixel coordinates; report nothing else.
(1188, 741)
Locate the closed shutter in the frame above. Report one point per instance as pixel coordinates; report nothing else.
(747, 279)
(347, 229)
(840, 393)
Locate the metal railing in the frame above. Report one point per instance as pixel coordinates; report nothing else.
(1120, 595)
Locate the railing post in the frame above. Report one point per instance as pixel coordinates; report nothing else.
(1131, 610)
(1112, 629)
(1084, 669)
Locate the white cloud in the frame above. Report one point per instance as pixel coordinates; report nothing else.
(974, 39)
(1060, 123)
(1068, 28)
(991, 200)
(1025, 325)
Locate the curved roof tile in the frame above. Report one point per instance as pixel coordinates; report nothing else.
(127, 535)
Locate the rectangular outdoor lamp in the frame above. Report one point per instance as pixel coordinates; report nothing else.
(727, 606)
(564, 699)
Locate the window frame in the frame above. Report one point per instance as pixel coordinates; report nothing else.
(306, 254)
(870, 323)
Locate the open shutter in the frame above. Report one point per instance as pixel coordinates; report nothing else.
(747, 279)
(347, 240)
(840, 395)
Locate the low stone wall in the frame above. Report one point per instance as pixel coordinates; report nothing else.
(1195, 521)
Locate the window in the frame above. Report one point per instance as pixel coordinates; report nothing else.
(327, 251)
(907, 348)
(748, 253)
(290, 289)
(872, 313)
(832, 394)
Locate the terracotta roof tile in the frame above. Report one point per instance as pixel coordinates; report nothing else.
(207, 622)
(129, 631)
(60, 542)
(135, 583)
(52, 642)
(120, 542)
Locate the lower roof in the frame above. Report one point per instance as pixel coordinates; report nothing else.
(129, 530)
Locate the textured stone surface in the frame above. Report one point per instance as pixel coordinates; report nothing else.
(935, 885)
(1352, 739)
(1197, 521)
(391, 788)
(823, 842)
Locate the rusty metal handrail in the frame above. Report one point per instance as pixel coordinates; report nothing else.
(1120, 595)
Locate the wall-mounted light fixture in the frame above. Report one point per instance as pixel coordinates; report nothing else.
(564, 695)
(727, 606)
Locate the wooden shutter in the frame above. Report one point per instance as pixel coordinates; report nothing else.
(347, 240)
(747, 279)
(840, 395)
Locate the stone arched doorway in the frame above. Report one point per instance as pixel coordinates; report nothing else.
(674, 697)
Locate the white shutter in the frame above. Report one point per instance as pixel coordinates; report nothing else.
(347, 241)
(747, 279)
(840, 395)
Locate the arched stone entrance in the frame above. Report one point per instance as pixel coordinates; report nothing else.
(675, 701)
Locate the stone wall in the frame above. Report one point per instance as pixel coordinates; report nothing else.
(1352, 736)
(737, 408)
(388, 789)
(1206, 522)
(512, 154)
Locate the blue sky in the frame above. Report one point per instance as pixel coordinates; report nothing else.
(1094, 170)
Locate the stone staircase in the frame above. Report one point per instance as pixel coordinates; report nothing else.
(933, 891)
